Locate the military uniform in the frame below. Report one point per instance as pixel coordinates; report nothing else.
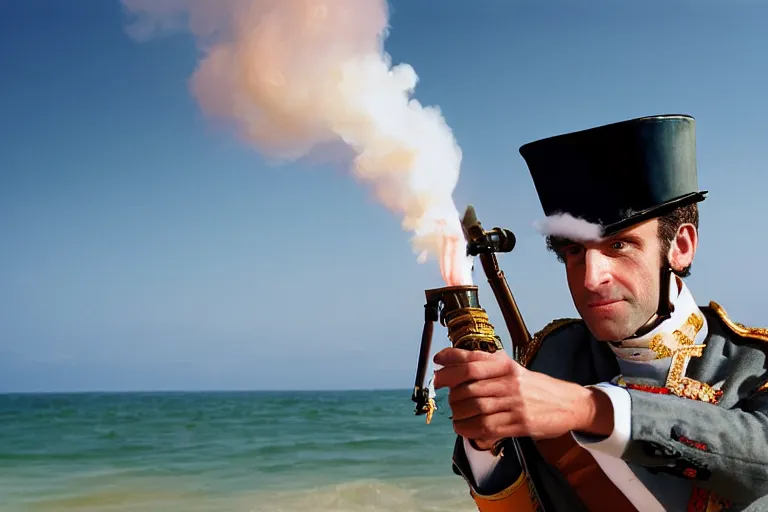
(689, 391)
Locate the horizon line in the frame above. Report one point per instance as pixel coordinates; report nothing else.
(179, 391)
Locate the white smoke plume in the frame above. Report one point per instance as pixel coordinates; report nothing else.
(567, 226)
(294, 75)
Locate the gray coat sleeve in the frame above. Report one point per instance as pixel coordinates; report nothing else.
(719, 449)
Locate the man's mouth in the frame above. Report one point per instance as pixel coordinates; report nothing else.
(603, 303)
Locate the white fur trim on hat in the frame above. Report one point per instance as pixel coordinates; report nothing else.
(567, 226)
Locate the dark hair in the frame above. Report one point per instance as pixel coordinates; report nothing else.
(670, 223)
(556, 244)
(668, 226)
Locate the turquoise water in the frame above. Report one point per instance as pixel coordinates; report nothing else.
(249, 451)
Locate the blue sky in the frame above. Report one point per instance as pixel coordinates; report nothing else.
(145, 248)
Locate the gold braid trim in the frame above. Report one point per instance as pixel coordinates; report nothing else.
(755, 333)
(470, 329)
(527, 352)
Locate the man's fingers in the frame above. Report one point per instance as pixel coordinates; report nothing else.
(454, 375)
(471, 408)
(495, 426)
(479, 389)
(450, 356)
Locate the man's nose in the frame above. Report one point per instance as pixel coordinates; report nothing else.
(596, 271)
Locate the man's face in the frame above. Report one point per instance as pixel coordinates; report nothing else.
(615, 282)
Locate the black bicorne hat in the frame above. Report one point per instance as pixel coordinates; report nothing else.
(619, 174)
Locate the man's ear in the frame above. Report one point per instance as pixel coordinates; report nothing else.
(683, 247)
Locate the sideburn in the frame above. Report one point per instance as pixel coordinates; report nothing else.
(664, 308)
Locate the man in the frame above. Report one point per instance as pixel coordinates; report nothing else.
(648, 401)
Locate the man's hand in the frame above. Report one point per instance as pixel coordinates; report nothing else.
(492, 397)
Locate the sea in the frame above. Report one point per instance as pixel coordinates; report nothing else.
(226, 451)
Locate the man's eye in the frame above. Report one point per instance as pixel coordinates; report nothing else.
(617, 246)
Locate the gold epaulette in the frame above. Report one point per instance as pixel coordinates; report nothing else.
(530, 350)
(755, 333)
